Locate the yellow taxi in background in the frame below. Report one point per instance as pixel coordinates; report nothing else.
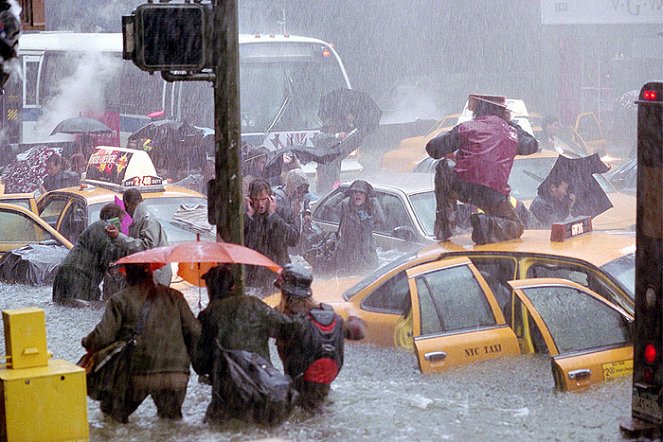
(110, 171)
(452, 302)
(21, 226)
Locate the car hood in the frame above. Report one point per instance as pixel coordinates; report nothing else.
(330, 291)
(620, 216)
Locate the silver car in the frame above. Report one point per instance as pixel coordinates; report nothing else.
(408, 202)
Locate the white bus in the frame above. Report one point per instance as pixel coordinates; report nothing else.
(82, 74)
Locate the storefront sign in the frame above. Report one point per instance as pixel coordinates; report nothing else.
(589, 12)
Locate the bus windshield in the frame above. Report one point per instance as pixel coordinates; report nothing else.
(280, 88)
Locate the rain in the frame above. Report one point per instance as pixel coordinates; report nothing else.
(418, 61)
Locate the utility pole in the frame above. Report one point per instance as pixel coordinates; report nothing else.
(229, 205)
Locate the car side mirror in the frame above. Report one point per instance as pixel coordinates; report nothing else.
(405, 233)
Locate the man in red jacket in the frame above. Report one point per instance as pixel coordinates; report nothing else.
(485, 147)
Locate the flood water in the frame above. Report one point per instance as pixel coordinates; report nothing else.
(379, 395)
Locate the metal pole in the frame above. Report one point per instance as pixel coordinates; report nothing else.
(228, 193)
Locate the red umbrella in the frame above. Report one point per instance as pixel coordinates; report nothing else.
(196, 257)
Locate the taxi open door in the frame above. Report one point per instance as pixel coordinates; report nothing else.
(456, 318)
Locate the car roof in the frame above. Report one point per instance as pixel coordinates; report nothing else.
(408, 183)
(598, 248)
(96, 195)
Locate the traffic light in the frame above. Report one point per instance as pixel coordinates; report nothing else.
(648, 328)
(169, 37)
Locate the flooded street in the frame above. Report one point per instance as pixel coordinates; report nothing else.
(379, 395)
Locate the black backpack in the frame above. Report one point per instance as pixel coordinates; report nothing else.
(324, 344)
(250, 388)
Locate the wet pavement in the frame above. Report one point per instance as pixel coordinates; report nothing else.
(379, 395)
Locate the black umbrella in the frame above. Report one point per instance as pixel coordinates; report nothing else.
(81, 125)
(162, 132)
(168, 139)
(335, 105)
(591, 199)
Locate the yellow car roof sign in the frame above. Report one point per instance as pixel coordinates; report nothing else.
(570, 229)
(120, 168)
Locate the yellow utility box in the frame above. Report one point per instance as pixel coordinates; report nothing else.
(42, 399)
(25, 337)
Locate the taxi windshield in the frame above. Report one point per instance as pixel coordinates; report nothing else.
(163, 209)
(623, 270)
(376, 274)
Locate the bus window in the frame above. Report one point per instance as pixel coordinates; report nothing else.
(31, 65)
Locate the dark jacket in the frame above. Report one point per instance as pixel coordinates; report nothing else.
(294, 353)
(271, 235)
(486, 147)
(238, 323)
(170, 333)
(65, 178)
(357, 250)
(83, 269)
(547, 211)
(145, 233)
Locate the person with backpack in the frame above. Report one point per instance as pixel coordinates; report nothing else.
(233, 347)
(313, 356)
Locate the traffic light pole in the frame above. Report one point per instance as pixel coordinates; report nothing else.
(227, 131)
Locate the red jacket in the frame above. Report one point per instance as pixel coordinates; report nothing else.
(486, 147)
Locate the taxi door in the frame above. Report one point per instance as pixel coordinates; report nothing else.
(588, 338)
(456, 318)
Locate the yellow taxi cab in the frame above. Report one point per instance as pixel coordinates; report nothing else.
(25, 200)
(21, 226)
(412, 150)
(110, 171)
(452, 303)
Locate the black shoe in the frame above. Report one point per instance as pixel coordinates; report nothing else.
(477, 232)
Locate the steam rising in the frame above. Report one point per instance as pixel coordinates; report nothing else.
(82, 93)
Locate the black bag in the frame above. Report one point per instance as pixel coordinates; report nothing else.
(322, 254)
(108, 371)
(248, 387)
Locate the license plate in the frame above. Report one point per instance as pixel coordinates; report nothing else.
(646, 407)
(618, 369)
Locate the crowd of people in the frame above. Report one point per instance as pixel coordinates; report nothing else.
(169, 339)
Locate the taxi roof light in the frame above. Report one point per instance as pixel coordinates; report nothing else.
(575, 227)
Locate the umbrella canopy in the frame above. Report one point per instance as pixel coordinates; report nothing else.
(27, 171)
(339, 102)
(591, 199)
(196, 257)
(81, 125)
(167, 140)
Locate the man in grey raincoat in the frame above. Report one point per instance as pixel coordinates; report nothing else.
(145, 233)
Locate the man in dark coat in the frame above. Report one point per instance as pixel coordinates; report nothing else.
(159, 365)
(236, 322)
(268, 229)
(81, 272)
(554, 203)
(485, 146)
